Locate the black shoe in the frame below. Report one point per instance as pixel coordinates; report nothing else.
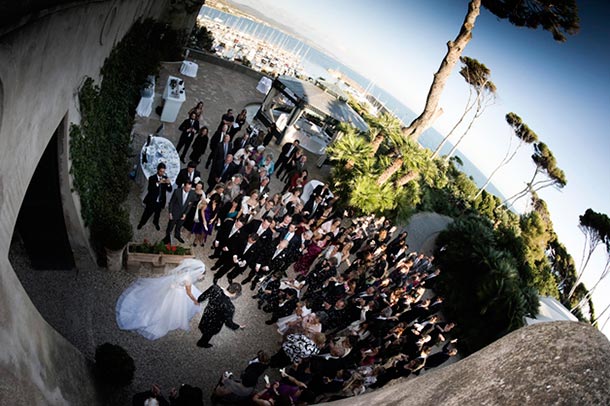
(179, 239)
(157, 227)
(203, 244)
(203, 345)
(167, 240)
(260, 303)
(252, 287)
(212, 256)
(269, 322)
(194, 244)
(139, 227)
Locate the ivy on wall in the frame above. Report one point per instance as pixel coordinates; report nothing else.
(99, 146)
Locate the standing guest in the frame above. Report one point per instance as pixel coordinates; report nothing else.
(241, 142)
(189, 128)
(231, 210)
(296, 348)
(218, 312)
(200, 224)
(227, 120)
(288, 151)
(188, 174)
(179, 205)
(271, 131)
(190, 216)
(215, 141)
(158, 187)
(221, 172)
(259, 155)
(263, 187)
(211, 216)
(199, 145)
(227, 229)
(233, 188)
(268, 164)
(223, 149)
(239, 122)
(198, 110)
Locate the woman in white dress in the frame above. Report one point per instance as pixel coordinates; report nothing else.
(154, 306)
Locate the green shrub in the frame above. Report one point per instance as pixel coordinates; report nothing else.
(482, 283)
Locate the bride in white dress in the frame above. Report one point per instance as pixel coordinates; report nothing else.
(154, 306)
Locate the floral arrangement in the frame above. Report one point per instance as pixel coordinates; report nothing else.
(159, 247)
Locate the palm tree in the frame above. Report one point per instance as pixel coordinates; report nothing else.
(525, 136)
(476, 75)
(558, 17)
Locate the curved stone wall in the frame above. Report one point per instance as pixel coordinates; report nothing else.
(42, 65)
(560, 363)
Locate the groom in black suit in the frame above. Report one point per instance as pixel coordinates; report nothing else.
(218, 311)
(179, 204)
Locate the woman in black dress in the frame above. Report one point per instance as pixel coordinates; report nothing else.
(239, 122)
(199, 145)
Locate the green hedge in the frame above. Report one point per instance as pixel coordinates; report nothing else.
(99, 146)
(485, 286)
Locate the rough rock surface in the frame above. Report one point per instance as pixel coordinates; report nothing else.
(560, 363)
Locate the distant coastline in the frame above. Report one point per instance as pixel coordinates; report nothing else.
(317, 63)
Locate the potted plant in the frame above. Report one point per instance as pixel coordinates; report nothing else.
(113, 229)
(158, 254)
(113, 365)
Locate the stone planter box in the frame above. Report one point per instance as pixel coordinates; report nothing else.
(156, 260)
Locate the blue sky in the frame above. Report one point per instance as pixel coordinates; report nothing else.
(561, 90)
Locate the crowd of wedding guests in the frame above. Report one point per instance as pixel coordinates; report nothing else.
(354, 307)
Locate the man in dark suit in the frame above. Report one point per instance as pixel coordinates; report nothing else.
(240, 142)
(189, 128)
(260, 227)
(218, 312)
(188, 174)
(215, 141)
(222, 150)
(262, 187)
(313, 208)
(270, 261)
(322, 190)
(221, 171)
(244, 256)
(227, 229)
(158, 186)
(179, 204)
(288, 151)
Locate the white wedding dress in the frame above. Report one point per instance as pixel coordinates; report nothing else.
(154, 306)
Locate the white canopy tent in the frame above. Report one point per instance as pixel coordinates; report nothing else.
(550, 310)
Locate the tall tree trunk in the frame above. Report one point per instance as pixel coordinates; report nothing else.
(406, 178)
(454, 51)
(377, 143)
(387, 174)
